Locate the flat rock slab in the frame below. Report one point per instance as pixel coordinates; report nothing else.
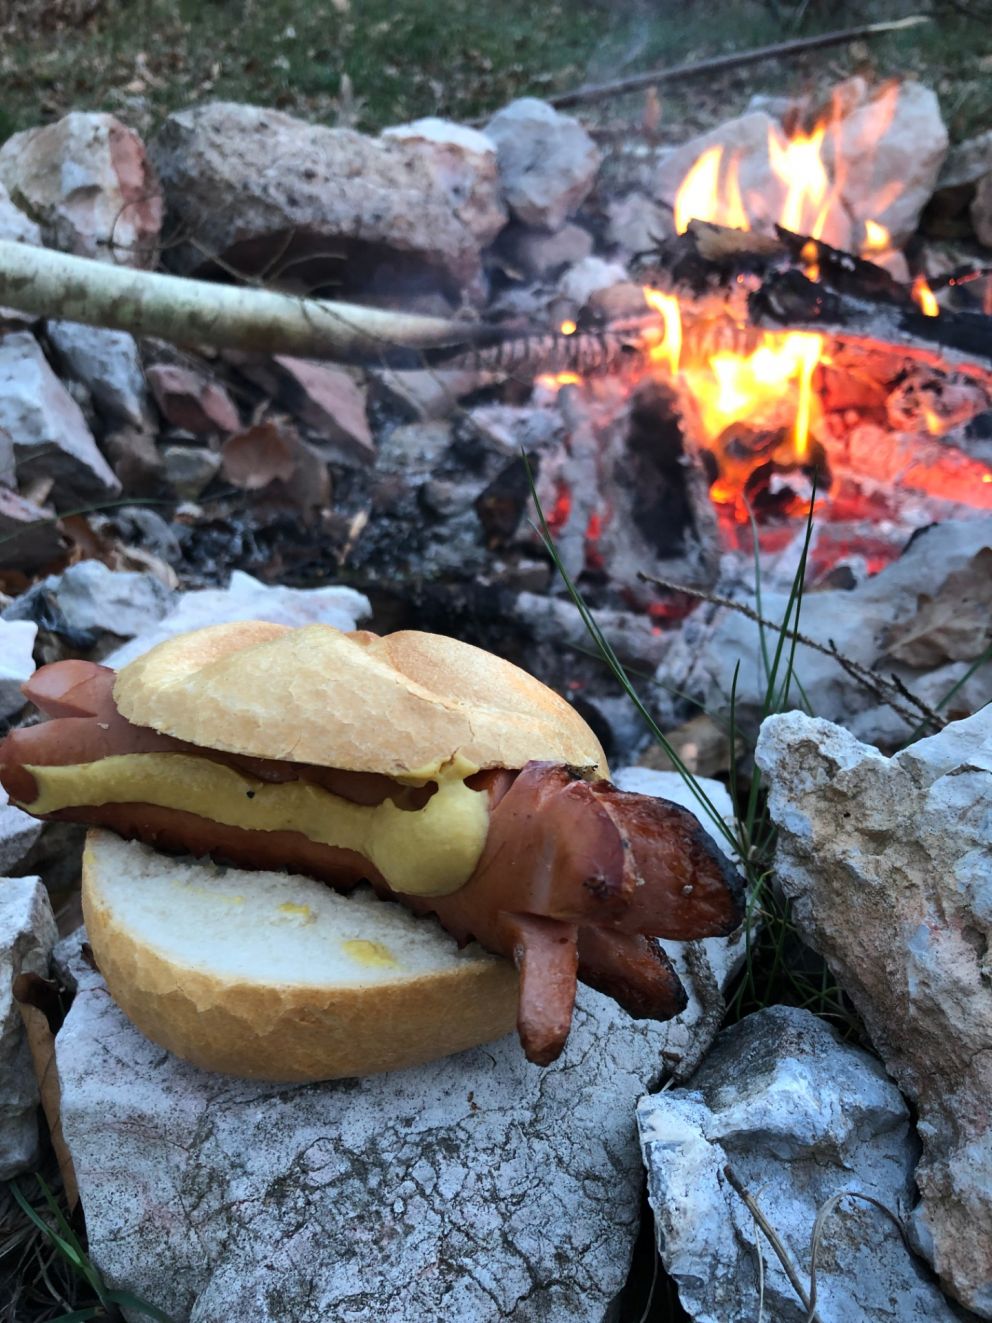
(888, 862)
(478, 1188)
(800, 1117)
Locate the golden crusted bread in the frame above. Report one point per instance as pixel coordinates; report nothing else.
(410, 705)
(277, 977)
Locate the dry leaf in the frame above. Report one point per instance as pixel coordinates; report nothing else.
(956, 625)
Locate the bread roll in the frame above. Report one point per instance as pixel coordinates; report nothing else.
(275, 976)
(410, 705)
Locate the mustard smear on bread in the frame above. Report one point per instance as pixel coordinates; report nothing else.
(430, 851)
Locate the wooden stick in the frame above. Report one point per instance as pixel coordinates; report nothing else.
(194, 312)
(720, 63)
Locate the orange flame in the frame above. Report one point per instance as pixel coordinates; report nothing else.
(568, 327)
(877, 238)
(925, 297)
(711, 192)
(797, 163)
(669, 349)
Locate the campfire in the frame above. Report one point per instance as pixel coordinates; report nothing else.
(874, 420)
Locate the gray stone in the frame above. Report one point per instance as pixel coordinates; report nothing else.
(86, 182)
(703, 657)
(29, 538)
(636, 224)
(90, 601)
(539, 255)
(18, 833)
(240, 178)
(192, 400)
(981, 211)
(190, 469)
(27, 936)
(14, 224)
(462, 163)
(108, 365)
(477, 1188)
(589, 277)
(547, 161)
(800, 1117)
(330, 402)
(911, 151)
(889, 866)
(16, 662)
(47, 427)
(246, 599)
(893, 135)
(967, 162)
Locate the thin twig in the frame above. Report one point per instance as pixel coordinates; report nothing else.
(737, 1185)
(886, 691)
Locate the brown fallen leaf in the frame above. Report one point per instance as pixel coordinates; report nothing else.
(270, 461)
(955, 625)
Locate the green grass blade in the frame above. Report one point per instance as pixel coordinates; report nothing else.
(81, 1315)
(131, 1301)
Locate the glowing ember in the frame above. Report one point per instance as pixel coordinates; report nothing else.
(568, 327)
(877, 239)
(555, 380)
(925, 297)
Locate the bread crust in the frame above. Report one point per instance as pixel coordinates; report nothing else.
(410, 705)
(298, 1032)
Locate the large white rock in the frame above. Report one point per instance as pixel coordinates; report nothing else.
(27, 936)
(478, 1188)
(16, 662)
(87, 183)
(889, 866)
(880, 163)
(800, 1117)
(50, 436)
(244, 181)
(547, 161)
(108, 364)
(246, 598)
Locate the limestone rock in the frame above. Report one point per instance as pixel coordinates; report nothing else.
(703, 656)
(108, 365)
(636, 224)
(87, 183)
(889, 866)
(18, 833)
(27, 936)
(246, 599)
(911, 150)
(191, 400)
(547, 161)
(981, 211)
(14, 224)
(28, 537)
(477, 1188)
(50, 435)
(90, 601)
(541, 255)
(800, 1117)
(242, 179)
(589, 277)
(190, 469)
(462, 162)
(16, 662)
(331, 403)
(892, 133)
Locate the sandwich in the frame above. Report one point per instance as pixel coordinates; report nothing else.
(317, 854)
